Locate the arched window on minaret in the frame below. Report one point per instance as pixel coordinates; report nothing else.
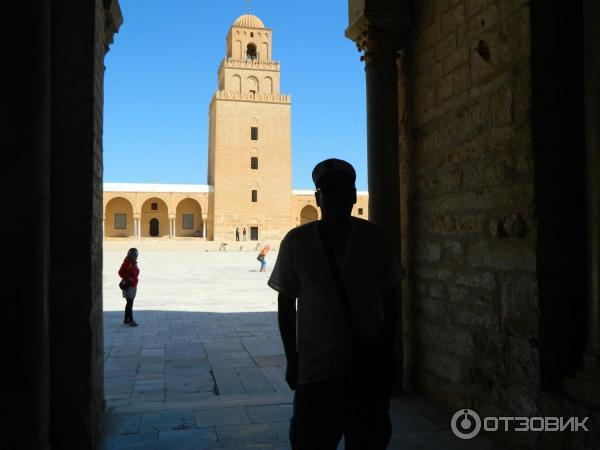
(267, 85)
(236, 83)
(253, 85)
(264, 53)
(251, 51)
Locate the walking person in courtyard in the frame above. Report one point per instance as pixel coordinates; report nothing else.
(237, 234)
(129, 273)
(262, 257)
(244, 233)
(337, 281)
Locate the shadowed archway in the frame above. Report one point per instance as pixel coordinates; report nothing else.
(308, 214)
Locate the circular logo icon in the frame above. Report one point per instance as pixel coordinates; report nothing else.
(465, 423)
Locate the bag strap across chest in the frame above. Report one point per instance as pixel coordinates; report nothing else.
(337, 278)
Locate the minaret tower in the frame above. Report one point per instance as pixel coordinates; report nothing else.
(249, 156)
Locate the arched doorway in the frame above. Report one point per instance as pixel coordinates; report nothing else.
(154, 229)
(308, 214)
(154, 213)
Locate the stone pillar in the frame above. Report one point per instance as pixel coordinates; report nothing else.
(382, 131)
(380, 35)
(171, 227)
(380, 30)
(586, 383)
(137, 232)
(204, 228)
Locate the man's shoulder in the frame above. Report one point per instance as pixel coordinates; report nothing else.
(302, 232)
(368, 227)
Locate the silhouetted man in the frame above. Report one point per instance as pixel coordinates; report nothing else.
(237, 234)
(338, 341)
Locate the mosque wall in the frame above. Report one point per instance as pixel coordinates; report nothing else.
(488, 197)
(472, 209)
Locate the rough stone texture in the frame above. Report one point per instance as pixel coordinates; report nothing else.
(492, 205)
(471, 163)
(78, 49)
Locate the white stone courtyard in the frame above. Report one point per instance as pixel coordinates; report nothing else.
(205, 367)
(190, 275)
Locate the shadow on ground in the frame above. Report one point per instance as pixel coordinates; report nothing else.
(204, 380)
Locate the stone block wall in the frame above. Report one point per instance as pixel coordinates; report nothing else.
(79, 44)
(469, 216)
(493, 211)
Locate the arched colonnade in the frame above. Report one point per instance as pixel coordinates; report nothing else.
(138, 214)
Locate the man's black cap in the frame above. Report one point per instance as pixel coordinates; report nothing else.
(332, 165)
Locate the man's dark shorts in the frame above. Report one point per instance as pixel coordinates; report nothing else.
(357, 408)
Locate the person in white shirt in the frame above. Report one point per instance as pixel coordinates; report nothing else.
(337, 281)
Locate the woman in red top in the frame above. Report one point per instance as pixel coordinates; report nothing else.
(129, 271)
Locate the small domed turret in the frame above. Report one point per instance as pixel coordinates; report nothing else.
(248, 21)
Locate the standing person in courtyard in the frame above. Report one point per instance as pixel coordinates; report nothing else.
(262, 257)
(337, 281)
(244, 233)
(237, 234)
(129, 272)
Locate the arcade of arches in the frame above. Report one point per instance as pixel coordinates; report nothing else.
(136, 211)
(484, 162)
(154, 214)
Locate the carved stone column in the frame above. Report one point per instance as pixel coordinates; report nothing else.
(380, 34)
(171, 226)
(137, 227)
(379, 29)
(586, 383)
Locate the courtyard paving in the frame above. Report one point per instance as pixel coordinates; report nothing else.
(205, 367)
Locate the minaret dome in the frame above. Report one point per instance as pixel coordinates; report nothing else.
(248, 21)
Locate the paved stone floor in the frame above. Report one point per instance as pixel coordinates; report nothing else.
(204, 368)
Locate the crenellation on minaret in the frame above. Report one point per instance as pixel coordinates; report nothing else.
(251, 76)
(248, 97)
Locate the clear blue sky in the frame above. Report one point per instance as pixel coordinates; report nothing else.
(161, 73)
